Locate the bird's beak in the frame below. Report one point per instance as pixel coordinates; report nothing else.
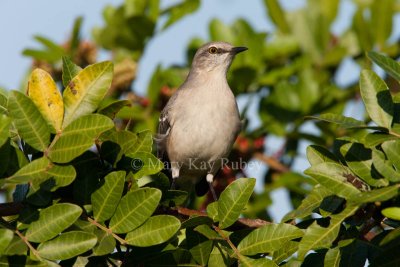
(238, 49)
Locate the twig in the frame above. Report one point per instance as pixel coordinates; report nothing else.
(241, 223)
(272, 162)
(107, 230)
(226, 238)
(34, 251)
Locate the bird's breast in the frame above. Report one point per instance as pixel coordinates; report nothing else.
(204, 127)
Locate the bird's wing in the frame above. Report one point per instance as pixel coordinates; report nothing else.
(162, 134)
(164, 127)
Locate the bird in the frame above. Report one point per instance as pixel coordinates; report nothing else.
(201, 121)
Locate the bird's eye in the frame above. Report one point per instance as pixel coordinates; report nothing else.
(212, 50)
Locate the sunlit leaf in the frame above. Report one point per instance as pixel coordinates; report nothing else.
(78, 136)
(391, 66)
(67, 245)
(4, 128)
(84, 92)
(268, 238)
(45, 95)
(134, 209)
(29, 122)
(343, 121)
(52, 221)
(233, 199)
(316, 236)
(106, 198)
(34, 170)
(377, 98)
(154, 231)
(392, 213)
(333, 177)
(69, 70)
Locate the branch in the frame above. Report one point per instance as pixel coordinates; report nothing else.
(107, 230)
(241, 223)
(9, 209)
(34, 251)
(272, 162)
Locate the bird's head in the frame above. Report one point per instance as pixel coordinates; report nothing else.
(215, 57)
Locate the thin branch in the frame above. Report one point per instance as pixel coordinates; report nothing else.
(107, 230)
(272, 162)
(226, 238)
(34, 251)
(241, 223)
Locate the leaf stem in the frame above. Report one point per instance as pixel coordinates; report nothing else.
(107, 230)
(34, 251)
(226, 238)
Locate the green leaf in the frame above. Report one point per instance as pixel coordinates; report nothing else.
(391, 149)
(317, 236)
(34, 170)
(16, 247)
(206, 231)
(391, 66)
(276, 13)
(374, 139)
(29, 122)
(52, 221)
(377, 98)
(6, 236)
(212, 211)
(69, 70)
(233, 199)
(154, 231)
(78, 136)
(381, 194)
(384, 166)
(261, 262)
(219, 257)
(105, 243)
(318, 154)
(199, 246)
(311, 202)
(145, 163)
(333, 177)
(67, 245)
(84, 92)
(113, 108)
(285, 251)
(343, 121)
(268, 238)
(180, 10)
(332, 258)
(134, 209)
(392, 213)
(4, 128)
(381, 18)
(359, 160)
(106, 198)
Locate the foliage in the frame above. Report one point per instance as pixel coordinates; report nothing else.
(87, 189)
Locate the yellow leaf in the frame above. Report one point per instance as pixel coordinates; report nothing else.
(44, 93)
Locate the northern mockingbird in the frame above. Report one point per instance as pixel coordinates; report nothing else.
(200, 122)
